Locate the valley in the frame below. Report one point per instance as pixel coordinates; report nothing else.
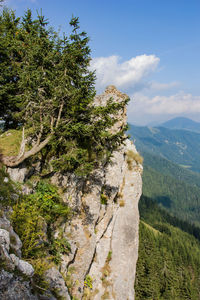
(169, 249)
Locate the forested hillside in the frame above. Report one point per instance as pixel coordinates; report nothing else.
(178, 146)
(168, 265)
(175, 187)
(178, 197)
(167, 167)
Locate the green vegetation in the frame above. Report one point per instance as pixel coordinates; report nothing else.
(175, 188)
(178, 197)
(169, 247)
(88, 281)
(6, 188)
(32, 218)
(109, 257)
(47, 92)
(104, 199)
(166, 167)
(10, 142)
(168, 265)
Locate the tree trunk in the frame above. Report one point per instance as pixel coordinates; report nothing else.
(16, 160)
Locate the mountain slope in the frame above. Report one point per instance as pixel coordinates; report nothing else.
(178, 197)
(168, 265)
(182, 123)
(166, 167)
(179, 146)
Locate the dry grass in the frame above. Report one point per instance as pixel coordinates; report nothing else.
(133, 156)
(122, 203)
(10, 142)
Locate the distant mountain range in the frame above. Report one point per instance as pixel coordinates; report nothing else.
(182, 123)
(179, 146)
(171, 174)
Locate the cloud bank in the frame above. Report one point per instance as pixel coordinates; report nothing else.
(109, 70)
(174, 104)
(144, 109)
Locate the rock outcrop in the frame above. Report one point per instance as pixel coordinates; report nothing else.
(13, 269)
(16, 274)
(103, 232)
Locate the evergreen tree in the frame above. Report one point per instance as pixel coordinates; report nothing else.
(52, 96)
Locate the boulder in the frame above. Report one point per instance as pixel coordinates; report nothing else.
(57, 283)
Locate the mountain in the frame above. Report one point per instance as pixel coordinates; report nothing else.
(179, 146)
(174, 187)
(182, 123)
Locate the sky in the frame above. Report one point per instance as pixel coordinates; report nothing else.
(149, 49)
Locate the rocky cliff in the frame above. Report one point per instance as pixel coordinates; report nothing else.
(103, 233)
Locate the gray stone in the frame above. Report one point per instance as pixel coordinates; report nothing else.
(5, 239)
(15, 242)
(57, 283)
(25, 268)
(18, 174)
(14, 259)
(12, 287)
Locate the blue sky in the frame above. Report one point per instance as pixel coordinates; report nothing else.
(149, 49)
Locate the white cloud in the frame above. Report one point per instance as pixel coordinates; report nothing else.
(130, 73)
(175, 104)
(149, 101)
(143, 109)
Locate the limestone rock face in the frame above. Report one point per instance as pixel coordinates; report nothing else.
(104, 231)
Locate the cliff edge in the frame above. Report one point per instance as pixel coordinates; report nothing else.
(103, 232)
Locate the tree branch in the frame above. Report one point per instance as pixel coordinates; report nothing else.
(15, 161)
(59, 113)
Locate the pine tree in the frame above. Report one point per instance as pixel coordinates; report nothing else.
(53, 94)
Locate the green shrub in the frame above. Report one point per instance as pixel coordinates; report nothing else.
(109, 257)
(6, 188)
(32, 214)
(104, 199)
(40, 266)
(59, 246)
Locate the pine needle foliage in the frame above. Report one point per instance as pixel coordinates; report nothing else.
(46, 87)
